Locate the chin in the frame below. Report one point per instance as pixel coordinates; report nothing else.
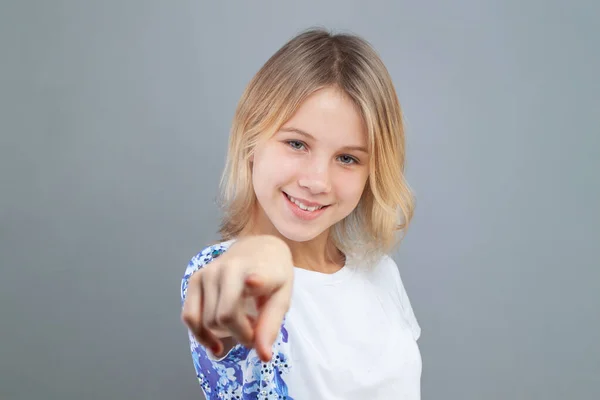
(298, 234)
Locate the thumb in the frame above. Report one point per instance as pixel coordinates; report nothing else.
(256, 285)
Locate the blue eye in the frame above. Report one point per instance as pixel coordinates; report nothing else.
(295, 144)
(347, 160)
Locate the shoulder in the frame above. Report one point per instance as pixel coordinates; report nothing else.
(385, 270)
(388, 275)
(209, 253)
(202, 258)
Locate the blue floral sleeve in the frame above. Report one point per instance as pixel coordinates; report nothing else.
(216, 377)
(240, 374)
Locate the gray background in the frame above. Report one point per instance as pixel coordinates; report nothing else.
(114, 117)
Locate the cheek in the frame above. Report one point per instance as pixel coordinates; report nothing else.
(350, 188)
(272, 167)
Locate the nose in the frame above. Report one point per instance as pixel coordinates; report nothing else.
(316, 178)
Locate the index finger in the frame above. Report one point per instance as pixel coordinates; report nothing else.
(269, 323)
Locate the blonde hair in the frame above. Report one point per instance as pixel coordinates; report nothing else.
(312, 60)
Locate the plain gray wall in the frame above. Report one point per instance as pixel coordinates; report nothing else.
(114, 118)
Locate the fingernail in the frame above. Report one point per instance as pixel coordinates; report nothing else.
(269, 356)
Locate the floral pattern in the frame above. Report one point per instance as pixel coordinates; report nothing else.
(240, 374)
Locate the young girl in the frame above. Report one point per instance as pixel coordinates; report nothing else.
(300, 300)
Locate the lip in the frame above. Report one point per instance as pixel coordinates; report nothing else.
(300, 213)
(306, 202)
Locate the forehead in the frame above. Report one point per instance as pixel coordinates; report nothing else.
(329, 115)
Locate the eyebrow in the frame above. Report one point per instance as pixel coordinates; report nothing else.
(303, 133)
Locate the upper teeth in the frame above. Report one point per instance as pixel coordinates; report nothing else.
(303, 206)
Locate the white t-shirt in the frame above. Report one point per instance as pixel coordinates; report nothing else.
(350, 335)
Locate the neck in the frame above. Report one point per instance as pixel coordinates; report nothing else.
(318, 254)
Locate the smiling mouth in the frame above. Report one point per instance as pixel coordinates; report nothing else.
(302, 206)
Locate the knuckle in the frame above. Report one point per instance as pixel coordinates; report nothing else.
(207, 273)
(230, 267)
(196, 275)
(189, 318)
(225, 317)
(212, 324)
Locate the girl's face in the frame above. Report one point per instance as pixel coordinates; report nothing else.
(312, 172)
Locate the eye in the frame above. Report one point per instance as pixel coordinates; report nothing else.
(347, 160)
(296, 144)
